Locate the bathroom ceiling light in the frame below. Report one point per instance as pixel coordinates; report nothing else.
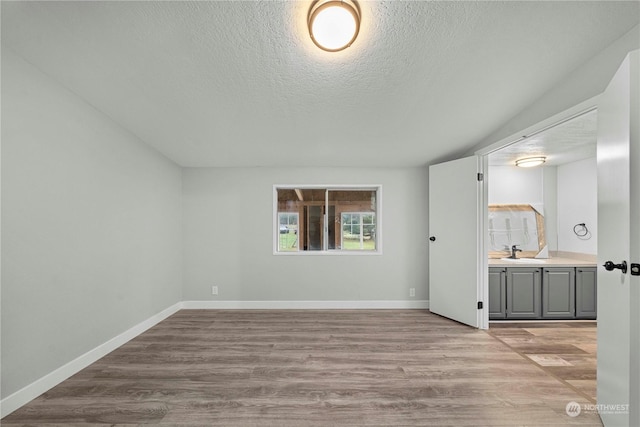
(529, 162)
(334, 24)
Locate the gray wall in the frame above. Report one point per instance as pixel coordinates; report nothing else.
(91, 226)
(228, 238)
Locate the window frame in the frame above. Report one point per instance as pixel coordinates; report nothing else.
(325, 250)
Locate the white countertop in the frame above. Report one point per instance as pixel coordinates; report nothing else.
(542, 262)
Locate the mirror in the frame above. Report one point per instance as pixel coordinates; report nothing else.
(520, 225)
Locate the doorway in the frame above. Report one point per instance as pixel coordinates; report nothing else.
(563, 188)
(560, 337)
(544, 269)
(617, 331)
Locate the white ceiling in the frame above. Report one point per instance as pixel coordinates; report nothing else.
(239, 83)
(566, 142)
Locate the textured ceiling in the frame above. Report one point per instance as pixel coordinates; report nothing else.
(240, 83)
(567, 142)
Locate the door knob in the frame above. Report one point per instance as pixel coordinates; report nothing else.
(432, 238)
(610, 266)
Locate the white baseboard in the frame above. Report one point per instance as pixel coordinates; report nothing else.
(35, 389)
(305, 305)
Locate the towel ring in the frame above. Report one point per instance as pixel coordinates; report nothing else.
(581, 229)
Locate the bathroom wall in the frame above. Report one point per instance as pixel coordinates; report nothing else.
(567, 192)
(533, 186)
(513, 185)
(578, 203)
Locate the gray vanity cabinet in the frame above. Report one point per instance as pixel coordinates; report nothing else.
(558, 293)
(542, 293)
(523, 293)
(586, 292)
(497, 293)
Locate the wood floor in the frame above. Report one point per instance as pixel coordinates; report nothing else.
(566, 350)
(310, 368)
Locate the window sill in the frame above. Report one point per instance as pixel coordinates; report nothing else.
(328, 253)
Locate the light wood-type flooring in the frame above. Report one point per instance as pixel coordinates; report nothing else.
(310, 368)
(566, 350)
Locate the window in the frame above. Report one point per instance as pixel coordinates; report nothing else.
(287, 231)
(312, 219)
(358, 231)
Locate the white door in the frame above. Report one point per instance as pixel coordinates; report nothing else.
(618, 329)
(455, 251)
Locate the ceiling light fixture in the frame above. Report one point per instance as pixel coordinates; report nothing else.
(529, 162)
(334, 24)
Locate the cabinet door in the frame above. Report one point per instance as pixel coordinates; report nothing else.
(497, 293)
(586, 293)
(523, 293)
(558, 293)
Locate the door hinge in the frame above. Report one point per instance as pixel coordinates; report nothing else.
(479, 305)
(480, 176)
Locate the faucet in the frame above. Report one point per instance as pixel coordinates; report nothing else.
(514, 249)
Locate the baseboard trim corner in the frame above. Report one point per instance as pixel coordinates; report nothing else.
(35, 389)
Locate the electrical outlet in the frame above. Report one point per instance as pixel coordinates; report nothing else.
(412, 292)
(214, 290)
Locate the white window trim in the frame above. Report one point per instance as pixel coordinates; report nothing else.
(325, 251)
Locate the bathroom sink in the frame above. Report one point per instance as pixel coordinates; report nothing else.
(525, 260)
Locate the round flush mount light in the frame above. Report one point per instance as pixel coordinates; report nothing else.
(334, 24)
(529, 162)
